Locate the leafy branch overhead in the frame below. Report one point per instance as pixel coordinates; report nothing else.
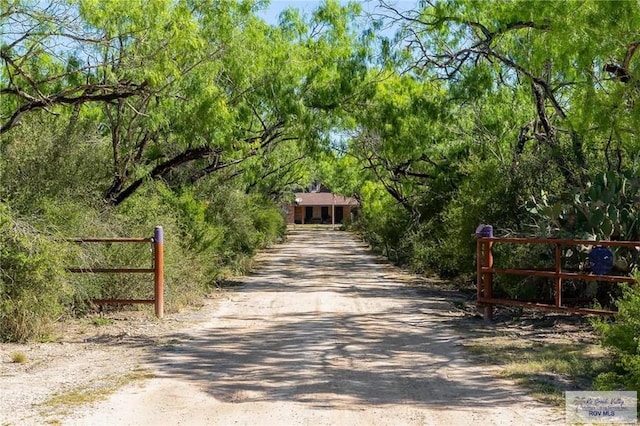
(181, 89)
(48, 61)
(543, 46)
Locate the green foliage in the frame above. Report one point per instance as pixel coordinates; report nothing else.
(99, 321)
(197, 234)
(622, 337)
(53, 175)
(185, 271)
(268, 222)
(536, 107)
(190, 115)
(249, 222)
(182, 90)
(382, 221)
(52, 158)
(33, 285)
(200, 117)
(486, 195)
(605, 208)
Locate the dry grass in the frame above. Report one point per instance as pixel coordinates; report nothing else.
(548, 369)
(62, 403)
(18, 357)
(548, 355)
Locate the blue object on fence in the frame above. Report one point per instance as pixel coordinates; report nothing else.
(158, 235)
(601, 260)
(484, 231)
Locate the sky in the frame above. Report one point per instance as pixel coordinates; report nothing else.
(277, 6)
(273, 11)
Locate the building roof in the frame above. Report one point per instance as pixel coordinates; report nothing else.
(323, 199)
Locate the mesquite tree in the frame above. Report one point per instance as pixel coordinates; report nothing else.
(185, 89)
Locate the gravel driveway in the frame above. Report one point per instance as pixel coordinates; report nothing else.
(324, 333)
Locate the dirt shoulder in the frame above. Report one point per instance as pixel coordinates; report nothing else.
(86, 360)
(323, 332)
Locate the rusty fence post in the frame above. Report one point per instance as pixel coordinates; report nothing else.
(158, 266)
(478, 271)
(558, 277)
(488, 280)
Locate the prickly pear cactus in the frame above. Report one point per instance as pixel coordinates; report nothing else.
(606, 208)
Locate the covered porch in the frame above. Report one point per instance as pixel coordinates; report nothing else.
(320, 208)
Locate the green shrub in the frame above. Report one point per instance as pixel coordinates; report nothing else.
(46, 159)
(488, 195)
(185, 269)
(384, 223)
(54, 174)
(622, 337)
(249, 222)
(198, 232)
(207, 234)
(34, 289)
(268, 221)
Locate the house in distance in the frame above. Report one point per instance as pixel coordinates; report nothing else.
(320, 206)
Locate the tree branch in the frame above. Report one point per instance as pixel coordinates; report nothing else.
(160, 170)
(108, 93)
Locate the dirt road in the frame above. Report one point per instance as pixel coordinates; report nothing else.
(323, 334)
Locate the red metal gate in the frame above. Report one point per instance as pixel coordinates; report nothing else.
(486, 270)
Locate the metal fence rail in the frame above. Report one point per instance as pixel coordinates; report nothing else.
(157, 242)
(486, 270)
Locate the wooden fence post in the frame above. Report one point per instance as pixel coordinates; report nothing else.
(158, 266)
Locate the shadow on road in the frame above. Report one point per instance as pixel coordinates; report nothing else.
(324, 323)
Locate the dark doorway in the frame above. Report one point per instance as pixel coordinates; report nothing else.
(308, 214)
(339, 212)
(325, 214)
